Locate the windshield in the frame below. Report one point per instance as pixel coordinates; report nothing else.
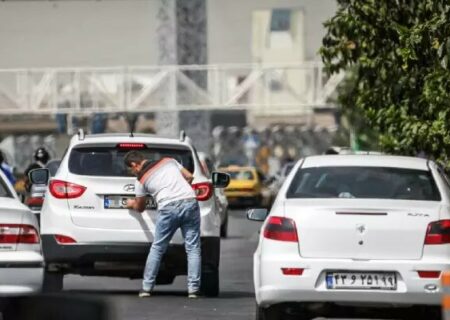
(241, 175)
(108, 161)
(364, 182)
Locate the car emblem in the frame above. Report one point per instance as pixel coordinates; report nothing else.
(361, 228)
(129, 187)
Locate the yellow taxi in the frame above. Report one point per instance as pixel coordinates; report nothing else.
(246, 184)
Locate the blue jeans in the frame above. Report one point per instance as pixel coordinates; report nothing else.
(183, 214)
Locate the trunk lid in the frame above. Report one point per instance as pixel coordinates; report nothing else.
(361, 229)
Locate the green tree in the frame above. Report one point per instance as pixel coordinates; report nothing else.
(399, 53)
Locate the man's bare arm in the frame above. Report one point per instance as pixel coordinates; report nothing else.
(187, 175)
(137, 204)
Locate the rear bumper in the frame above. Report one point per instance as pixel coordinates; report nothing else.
(272, 287)
(21, 273)
(120, 259)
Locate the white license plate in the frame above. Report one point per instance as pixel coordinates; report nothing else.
(362, 280)
(120, 202)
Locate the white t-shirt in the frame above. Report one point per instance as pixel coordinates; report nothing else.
(165, 183)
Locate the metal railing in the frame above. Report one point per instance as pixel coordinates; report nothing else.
(267, 89)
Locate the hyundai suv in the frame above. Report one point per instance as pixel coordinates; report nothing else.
(87, 230)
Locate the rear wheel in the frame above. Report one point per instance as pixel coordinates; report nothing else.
(53, 281)
(210, 283)
(270, 313)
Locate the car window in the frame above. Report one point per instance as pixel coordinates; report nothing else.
(241, 175)
(364, 182)
(4, 190)
(108, 161)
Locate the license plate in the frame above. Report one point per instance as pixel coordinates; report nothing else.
(120, 202)
(362, 280)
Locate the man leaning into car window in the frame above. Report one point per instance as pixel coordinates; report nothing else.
(168, 182)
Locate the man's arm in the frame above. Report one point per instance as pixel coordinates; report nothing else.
(137, 204)
(187, 175)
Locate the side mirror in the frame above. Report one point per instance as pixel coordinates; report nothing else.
(257, 214)
(39, 176)
(220, 179)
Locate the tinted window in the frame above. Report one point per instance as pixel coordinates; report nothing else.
(241, 175)
(364, 182)
(108, 161)
(4, 191)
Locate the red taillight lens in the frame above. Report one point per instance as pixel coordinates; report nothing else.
(18, 233)
(65, 190)
(438, 232)
(292, 271)
(64, 239)
(203, 190)
(34, 202)
(131, 146)
(429, 274)
(282, 229)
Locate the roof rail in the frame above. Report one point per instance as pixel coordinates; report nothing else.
(80, 134)
(182, 135)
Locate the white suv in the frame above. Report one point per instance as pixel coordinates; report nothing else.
(86, 230)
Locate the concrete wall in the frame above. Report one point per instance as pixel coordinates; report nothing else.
(56, 33)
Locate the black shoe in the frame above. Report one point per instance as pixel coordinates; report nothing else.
(144, 293)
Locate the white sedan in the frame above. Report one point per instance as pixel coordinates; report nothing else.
(354, 230)
(21, 261)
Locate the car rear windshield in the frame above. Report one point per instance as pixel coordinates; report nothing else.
(241, 175)
(365, 183)
(4, 191)
(108, 161)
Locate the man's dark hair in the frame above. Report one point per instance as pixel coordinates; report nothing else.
(133, 156)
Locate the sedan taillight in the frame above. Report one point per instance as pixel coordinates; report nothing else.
(65, 190)
(18, 233)
(438, 232)
(282, 229)
(203, 190)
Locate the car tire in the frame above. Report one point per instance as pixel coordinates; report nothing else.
(224, 228)
(53, 281)
(210, 283)
(270, 313)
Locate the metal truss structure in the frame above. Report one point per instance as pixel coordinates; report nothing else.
(266, 89)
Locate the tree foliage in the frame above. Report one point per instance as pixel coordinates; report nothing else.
(399, 51)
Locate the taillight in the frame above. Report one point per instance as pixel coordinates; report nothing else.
(65, 190)
(438, 232)
(131, 146)
(61, 239)
(282, 229)
(18, 233)
(203, 190)
(34, 201)
(292, 271)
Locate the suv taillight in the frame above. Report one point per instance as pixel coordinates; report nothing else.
(18, 233)
(203, 190)
(65, 190)
(282, 229)
(438, 232)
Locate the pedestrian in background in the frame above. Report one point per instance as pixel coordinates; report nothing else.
(6, 169)
(168, 182)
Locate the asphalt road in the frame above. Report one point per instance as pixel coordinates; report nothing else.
(236, 301)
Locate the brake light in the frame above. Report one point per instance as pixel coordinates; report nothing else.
(18, 233)
(282, 229)
(429, 274)
(438, 232)
(203, 190)
(35, 201)
(65, 190)
(131, 146)
(61, 239)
